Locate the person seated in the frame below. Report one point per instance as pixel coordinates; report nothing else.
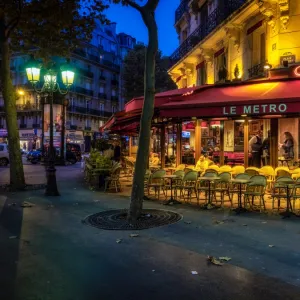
(202, 164)
(154, 159)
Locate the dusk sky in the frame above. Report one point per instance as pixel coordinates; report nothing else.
(129, 21)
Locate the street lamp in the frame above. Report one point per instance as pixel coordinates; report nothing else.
(50, 85)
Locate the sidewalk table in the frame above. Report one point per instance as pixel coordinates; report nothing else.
(172, 200)
(288, 184)
(240, 182)
(210, 180)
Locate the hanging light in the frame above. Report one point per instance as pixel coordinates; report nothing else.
(33, 71)
(267, 66)
(50, 79)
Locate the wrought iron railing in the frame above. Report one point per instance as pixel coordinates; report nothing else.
(181, 9)
(257, 71)
(83, 91)
(88, 111)
(214, 19)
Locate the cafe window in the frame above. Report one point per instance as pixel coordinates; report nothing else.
(210, 139)
(188, 143)
(221, 72)
(201, 74)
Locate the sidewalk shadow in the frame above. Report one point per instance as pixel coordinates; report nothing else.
(11, 218)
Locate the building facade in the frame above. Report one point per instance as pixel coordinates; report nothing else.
(230, 40)
(94, 97)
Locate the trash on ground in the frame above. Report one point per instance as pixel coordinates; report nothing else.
(225, 258)
(118, 241)
(218, 222)
(264, 222)
(134, 235)
(187, 222)
(97, 201)
(245, 225)
(271, 246)
(194, 272)
(12, 237)
(153, 270)
(27, 204)
(214, 261)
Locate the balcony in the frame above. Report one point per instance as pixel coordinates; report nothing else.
(22, 126)
(27, 106)
(114, 82)
(36, 125)
(257, 71)
(102, 78)
(86, 73)
(88, 111)
(114, 98)
(182, 8)
(102, 96)
(84, 91)
(213, 21)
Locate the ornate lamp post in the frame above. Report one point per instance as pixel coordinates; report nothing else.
(47, 88)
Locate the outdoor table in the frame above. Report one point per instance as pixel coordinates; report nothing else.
(240, 182)
(210, 180)
(172, 200)
(287, 213)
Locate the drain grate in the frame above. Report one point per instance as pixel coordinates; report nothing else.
(117, 219)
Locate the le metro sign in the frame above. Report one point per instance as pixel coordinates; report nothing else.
(257, 109)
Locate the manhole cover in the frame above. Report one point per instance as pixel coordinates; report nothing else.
(117, 219)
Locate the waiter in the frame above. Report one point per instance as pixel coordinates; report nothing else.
(255, 147)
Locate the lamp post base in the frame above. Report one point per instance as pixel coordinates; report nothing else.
(51, 189)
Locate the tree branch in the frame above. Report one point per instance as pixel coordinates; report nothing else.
(151, 5)
(134, 5)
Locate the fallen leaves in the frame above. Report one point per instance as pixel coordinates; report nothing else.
(12, 237)
(187, 222)
(118, 241)
(194, 272)
(271, 246)
(27, 204)
(225, 258)
(134, 235)
(214, 261)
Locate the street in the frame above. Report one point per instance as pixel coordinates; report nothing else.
(47, 253)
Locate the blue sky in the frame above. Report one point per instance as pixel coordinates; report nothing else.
(129, 21)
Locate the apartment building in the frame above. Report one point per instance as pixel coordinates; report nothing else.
(234, 40)
(94, 97)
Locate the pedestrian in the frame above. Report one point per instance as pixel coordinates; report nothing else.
(288, 146)
(266, 149)
(117, 152)
(255, 147)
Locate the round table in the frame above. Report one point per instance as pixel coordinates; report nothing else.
(172, 200)
(240, 182)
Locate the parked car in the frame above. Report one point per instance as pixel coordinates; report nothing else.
(37, 153)
(4, 155)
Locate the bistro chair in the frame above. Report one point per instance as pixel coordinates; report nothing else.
(269, 173)
(209, 170)
(236, 170)
(252, 171)
(176, 181)
(225, 168)
(296, 194)
(282, 171)
(146, 179)
(156, 181)
(113, 181)
(235, 188)
(222, 186)
(180, 167)
(188, 169)
(256, 189)
(188, 185)
(295, 173)
(214, 167)
(279, 190)
(202, 185)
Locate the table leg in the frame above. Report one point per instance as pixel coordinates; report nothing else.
(240, 208)
(209, 204)
(171, 201)
(287, 213)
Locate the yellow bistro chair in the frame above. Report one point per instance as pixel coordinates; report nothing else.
(225, 169)
(269, 173)
(236, 170)
(282, 171)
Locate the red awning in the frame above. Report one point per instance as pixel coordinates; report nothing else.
(251, 98)
(160, 98)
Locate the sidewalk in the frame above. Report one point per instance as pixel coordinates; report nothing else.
(55, 256)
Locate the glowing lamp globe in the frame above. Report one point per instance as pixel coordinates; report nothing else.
(67, 75)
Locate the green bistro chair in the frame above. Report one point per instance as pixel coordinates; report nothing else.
(256, 189)
(146, 179)
(188, 186)
(113, 181)
(202, 185)
(156, 181)
(222, 187)
(279, 190)
(295, 196)
(175, 181)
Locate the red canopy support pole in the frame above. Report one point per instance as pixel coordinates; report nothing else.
(197, 140)
(222, 143)
(274, 143)
(178, 144)
(246, 143)
(163, 145)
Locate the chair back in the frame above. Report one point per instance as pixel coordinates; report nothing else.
(179, 173)
(281, 179)
(191, 176)
(252, 171)
(211, 171)
(210, 174)
(158, 174)
(214, 167)
(187, 170)
(243, 176)
(258, 180)
(180, 167)
(237, 170)
(225, 168)
(282, 171)
(267, 171)
(225, 177)
(298, 180)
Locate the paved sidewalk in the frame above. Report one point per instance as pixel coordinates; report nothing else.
(57, 257)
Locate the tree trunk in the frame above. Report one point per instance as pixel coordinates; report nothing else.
(17, 180)
(136, 204)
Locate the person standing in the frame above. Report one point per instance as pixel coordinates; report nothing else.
(255, 147)
(266, 149)
(288, 145)
(117, 152)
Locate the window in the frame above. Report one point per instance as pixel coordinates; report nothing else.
(221, 72)
(114, 109)
(113, 93)
(1, 148)
(101, 89)
(101, 107)
(201, 74)
(184, 35)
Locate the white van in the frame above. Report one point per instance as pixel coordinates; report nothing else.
(4, 157)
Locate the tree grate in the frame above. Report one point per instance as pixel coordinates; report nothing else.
(117, 219)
